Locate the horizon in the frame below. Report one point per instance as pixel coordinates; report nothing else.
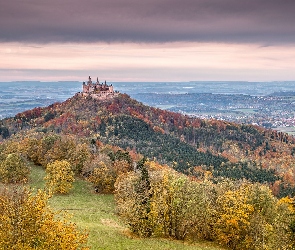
(189, 81)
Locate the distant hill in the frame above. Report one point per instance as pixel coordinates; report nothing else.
(190, 145)
(283, 93)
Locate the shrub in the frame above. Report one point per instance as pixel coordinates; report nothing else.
(59, 177)
(27, 223)
(14, 169)
(102, 172)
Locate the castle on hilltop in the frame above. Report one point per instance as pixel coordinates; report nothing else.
(98, 90)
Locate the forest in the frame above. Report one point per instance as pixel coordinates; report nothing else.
(172, 175)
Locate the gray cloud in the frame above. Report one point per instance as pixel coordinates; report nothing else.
(252, 21)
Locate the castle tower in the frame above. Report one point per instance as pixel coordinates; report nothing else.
(89, 81)
(85, 88)
(111, 88)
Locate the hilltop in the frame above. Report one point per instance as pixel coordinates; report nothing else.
(190, 145)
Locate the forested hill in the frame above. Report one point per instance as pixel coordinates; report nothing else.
(190, 145)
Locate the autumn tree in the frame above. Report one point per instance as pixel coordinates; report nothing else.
(59, 177)
(14, 168)
(103, 177)
(27, 223)
(79, 157)
(103, 168)
(158, 201)
(62, 148)
(233, 222)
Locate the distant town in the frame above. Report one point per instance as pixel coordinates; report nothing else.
(275, 111)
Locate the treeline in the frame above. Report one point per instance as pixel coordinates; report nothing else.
(64, 157)
(156, 201)
(133, 135)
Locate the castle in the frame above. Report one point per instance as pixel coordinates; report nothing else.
(98, 90)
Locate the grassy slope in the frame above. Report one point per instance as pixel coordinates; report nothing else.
(96, 213)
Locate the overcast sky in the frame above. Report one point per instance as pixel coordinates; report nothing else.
(147, 40)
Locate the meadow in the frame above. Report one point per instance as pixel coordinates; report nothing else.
(97, 214)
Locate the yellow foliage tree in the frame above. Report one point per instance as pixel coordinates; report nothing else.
(234, 218)
(27, 223)
(79, 157)
(103, 178)
(284, 228)
(102, 172)
(14, 169)
(59, 177)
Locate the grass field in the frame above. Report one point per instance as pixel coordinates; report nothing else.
(96, 213)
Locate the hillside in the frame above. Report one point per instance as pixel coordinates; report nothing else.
(96, 213)
(189, 145)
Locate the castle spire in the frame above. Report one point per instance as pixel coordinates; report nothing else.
(89, 80)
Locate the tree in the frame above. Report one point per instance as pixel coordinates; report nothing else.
(4, 132)
(158, 201)
(59, 177)
(79, 157)
(27, 223)
(103, 177)
(14, 169)
(132, 203)
(233, 222)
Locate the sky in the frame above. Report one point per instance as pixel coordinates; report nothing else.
(147, 40)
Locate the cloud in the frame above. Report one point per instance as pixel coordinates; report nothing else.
(233, 21)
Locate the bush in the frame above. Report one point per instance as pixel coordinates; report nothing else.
(14, 169)
(102, 172)
(59, 177)
(103, 178)
(27, 223)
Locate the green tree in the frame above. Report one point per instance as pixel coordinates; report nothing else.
(132, 203)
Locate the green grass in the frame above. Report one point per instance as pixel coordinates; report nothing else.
(96, 213)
